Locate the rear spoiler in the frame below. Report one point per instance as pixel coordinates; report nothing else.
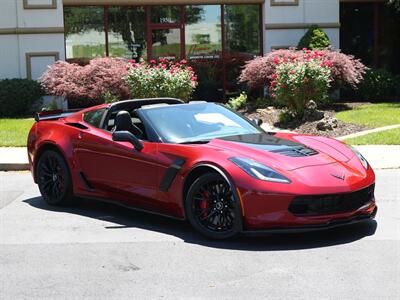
(54, 114)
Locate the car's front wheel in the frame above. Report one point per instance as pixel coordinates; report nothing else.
(211, 207)
(54, 178)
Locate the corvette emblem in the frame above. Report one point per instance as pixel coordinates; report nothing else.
(341, 177)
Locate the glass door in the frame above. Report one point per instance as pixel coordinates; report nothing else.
(166, 37)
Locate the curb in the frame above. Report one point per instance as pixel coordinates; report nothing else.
(14, 167)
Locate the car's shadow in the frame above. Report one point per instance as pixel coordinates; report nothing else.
(125, 218)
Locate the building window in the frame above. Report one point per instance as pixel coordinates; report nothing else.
(127, 32)
(203, 32)
(242, 37)
(165, 14)
(84, 32)
(216, 39)
(242, 28)
(371, 31)
(166, 43)
(357, 30)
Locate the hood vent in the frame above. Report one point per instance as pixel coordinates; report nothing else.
(299, 151)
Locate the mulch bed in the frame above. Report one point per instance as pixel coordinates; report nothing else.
(270, 115)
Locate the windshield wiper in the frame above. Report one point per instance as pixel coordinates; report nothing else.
(195, 142)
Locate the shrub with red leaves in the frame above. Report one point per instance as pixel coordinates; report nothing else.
(87, 85)
(345, 69)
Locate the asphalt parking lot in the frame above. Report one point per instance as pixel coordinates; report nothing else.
(100, 251)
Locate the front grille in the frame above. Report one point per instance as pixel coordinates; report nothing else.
(330, 204)
(299, 151)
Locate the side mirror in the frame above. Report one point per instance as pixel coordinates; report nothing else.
(258, 122)
(126, 136)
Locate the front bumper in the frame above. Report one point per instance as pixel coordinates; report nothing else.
(265, 211)
(316, 227)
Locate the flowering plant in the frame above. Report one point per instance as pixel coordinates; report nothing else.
(161, 79)
(345, 69)
(87, 85)
(295, 83)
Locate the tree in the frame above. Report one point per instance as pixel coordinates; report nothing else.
(314, 39)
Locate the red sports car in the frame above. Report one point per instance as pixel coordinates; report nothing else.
(202, 162)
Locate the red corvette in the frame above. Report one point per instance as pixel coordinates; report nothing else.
(201, 162)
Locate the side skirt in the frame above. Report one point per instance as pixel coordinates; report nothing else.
(131, 207)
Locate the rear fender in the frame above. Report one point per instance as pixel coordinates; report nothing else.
(57, 136)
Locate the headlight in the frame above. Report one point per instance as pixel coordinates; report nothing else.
(362, 159)
(258, 170)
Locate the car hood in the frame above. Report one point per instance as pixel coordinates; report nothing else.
(286, 152)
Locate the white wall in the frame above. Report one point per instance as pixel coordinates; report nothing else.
(8, 13)
(9, 58)
(306, 12)
(40, 17)
(40, 43)
(14, 47)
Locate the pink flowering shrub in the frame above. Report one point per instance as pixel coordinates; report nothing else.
(87, 85)
(345, 70)
(295, 83)
(162, 79)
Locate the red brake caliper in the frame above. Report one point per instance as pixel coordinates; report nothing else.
(204, 204)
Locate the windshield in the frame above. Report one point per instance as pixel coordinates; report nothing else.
(196, 122)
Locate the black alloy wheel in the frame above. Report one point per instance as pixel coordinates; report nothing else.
(211, 207)
(54, 178)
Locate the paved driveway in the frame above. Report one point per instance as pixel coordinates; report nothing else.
(101, 251)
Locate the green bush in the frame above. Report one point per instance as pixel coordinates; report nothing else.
(379, 85)
(314, 39)
(238, 102)
(285, 117)
(296, 83)
(165, 79)
(17, 97)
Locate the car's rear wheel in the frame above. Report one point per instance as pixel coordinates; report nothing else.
(54, 178)
(211, 207)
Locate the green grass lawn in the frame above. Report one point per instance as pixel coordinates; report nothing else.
(14, 132)
(372, 115)
(388, 137)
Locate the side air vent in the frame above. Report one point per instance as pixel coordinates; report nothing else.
(77, 125)
(299, 151)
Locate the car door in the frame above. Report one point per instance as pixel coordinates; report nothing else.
(115, 170)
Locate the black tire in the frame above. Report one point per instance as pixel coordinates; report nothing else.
(54, 178)
(212, 208)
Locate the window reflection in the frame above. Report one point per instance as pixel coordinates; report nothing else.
(203, 32)
(242, 42)
(167, 43)
(165, 14)
(127, 32)
(242, 28)
(128, 28)
(84, 32)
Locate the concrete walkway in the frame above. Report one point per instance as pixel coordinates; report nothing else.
(381, 156)
(365, 132)
(13, 159)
